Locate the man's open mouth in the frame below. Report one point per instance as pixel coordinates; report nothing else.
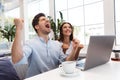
(47, 26)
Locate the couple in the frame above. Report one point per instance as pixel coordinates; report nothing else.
(41, 53)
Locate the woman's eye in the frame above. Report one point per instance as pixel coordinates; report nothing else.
(65, 27)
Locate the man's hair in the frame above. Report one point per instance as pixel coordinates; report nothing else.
(36, 20)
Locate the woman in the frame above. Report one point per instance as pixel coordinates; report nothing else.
(66, 38)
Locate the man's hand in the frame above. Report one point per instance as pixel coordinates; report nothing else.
(19, 23)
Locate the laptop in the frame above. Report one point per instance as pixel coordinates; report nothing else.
(98, 52)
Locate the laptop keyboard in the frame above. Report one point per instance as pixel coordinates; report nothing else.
(80, 63)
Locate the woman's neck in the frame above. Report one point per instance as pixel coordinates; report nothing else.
(66, 40)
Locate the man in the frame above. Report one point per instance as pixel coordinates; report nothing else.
(41, 53)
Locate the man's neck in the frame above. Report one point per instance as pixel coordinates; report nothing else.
(45, 37)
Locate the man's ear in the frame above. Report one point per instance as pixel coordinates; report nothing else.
(36, 27)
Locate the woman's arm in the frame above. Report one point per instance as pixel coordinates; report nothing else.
(75, 51)
(78, 51)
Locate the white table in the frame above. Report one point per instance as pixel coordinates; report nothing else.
(108, 71)
(5, 51)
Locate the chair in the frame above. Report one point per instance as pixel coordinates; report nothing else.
(7, 71)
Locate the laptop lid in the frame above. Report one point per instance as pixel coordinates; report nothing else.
(99, 51)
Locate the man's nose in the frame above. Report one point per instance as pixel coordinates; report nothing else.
(47, 20)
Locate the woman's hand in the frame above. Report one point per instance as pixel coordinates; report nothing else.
(77, 47)
(75, 43)
(81, 46)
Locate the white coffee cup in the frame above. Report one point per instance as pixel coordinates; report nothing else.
(68, 67)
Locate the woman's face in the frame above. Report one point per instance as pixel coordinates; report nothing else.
(66, 30)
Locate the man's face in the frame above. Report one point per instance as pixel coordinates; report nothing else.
(43, 25)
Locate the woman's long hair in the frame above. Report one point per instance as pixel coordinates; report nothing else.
(61, 37)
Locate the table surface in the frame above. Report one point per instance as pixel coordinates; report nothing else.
(108, 71)
(5, 51)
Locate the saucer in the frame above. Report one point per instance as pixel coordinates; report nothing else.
(75, 73)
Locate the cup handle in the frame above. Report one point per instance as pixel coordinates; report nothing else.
(60, 67)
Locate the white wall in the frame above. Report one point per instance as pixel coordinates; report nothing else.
(109, 20)
(23, 13)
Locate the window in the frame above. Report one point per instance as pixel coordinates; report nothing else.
(34, 8)
(117, 15)
(7, 20)
(14, 13)
(85, 15)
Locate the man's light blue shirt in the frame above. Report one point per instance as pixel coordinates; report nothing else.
(42, 56)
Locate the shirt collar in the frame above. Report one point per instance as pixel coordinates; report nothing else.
(42, 39)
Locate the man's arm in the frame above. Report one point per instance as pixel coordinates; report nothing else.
(17, 52)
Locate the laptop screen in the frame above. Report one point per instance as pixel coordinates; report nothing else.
(99, 50)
